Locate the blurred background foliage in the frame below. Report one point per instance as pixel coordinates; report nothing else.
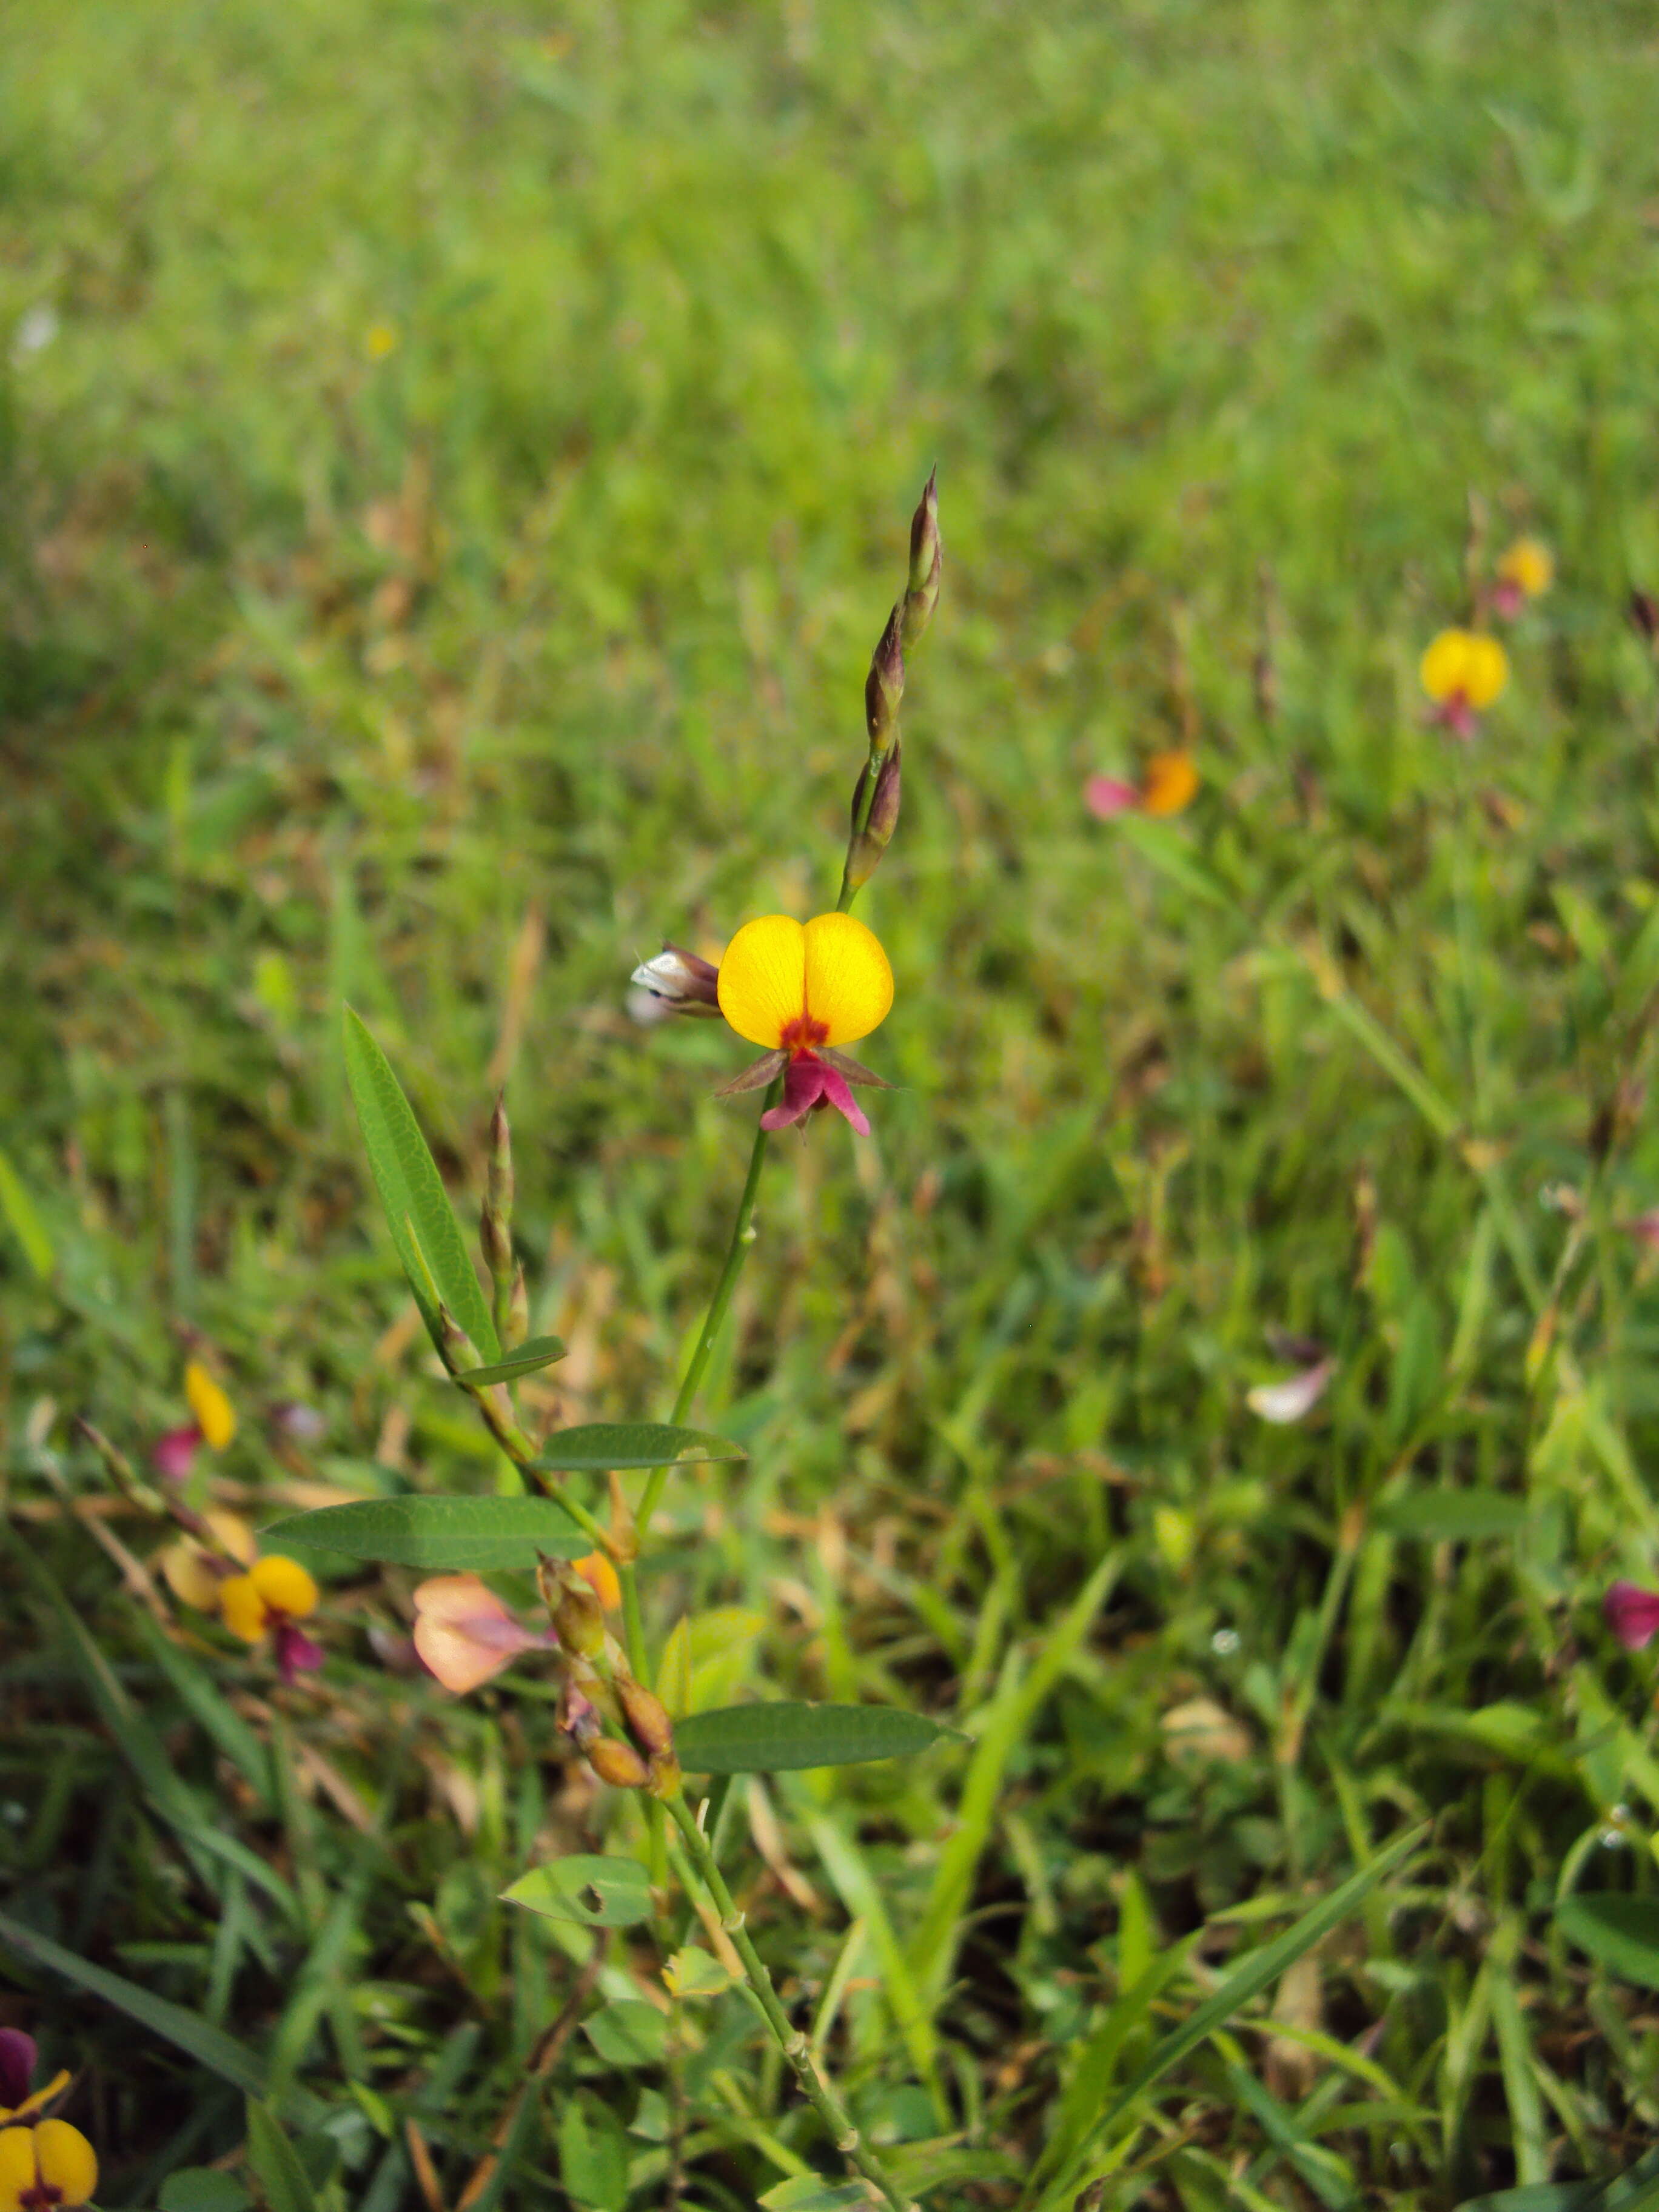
(455, 463)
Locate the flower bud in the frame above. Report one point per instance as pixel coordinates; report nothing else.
(493, 1242)
(665, 1775)
(884, 686)
(866, 846)
(679, 983)
(517, 1312)
(922, 595)
(618, 1764)
(501, 1162)
(459, 1350)
(579, 1618)
(646, 1717)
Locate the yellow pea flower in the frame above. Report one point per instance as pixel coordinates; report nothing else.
(1526, 571)
(216, 1417)
(195, 1574)
(267, 1601)
(800, 991)
(1463, 671)
(1169, 784)
(46, 2165)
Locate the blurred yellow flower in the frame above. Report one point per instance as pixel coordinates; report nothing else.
(1526, 571)
(1170, 783)
(1463, 671)
(380, 339)
(194, 1574)
(216, 1417)
(50, 2164)
(274, 1589)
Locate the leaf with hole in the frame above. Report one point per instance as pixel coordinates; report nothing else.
(778, 1739)
(598, 1892)
(524, 1360)
(607, 1447)
(444, 1534)
(424, 1230)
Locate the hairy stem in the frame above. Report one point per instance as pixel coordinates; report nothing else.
(817, 2090)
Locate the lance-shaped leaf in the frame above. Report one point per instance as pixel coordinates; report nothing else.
(776, 1739)
(423, 1222)
(1620, 1932)
(535, 1352)
(446, 1534)
(604, 1447)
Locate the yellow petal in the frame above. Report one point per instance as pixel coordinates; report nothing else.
(242, 1609)
(849, 985)
(189, 1575)
(596, 1571)
(762, 979)
(1486, 670)
(1444, 665)
(235, 1538)
(215, 1416)
(285, 1585)
(1169, 784)
(16, 2167)
(41, 2097)
(68, 2161)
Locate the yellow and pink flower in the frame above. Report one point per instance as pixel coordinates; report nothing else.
(465, 1635)
(218, 1567)
(1526, 571)
(802, 991)
(43, 2163)
(1463, 671)
(1168, 784)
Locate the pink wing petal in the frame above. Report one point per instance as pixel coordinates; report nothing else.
(1633, 1614)
(834, 1092)
(172, 1455)
(296, 1654)
(1107, 796)
(1294, 1399)
(17, 2057)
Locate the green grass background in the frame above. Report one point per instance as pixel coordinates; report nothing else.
(334, 671)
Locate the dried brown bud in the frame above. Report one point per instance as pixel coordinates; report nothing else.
(665, 1776)
(646, 1717)
(921, 594)
(884, 685)
(618, 1764)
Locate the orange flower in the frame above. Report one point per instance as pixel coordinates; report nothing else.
(1168, 785)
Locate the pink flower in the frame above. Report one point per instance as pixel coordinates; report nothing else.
(1633, 1614)
(173, 1455)
(464, 1635)
(296, 1654)
(1109, 796)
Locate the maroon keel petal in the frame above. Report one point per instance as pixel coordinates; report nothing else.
(296, 1654)
(834, 1092)
(17, 2057)
(803, 1087)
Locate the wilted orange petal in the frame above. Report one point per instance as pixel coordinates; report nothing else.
(596, 1571)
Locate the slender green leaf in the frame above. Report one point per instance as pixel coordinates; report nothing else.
(1262, 1968)
(806, 2193)
(187, 2030)
(1620, 1932)
(603, 1446)
(275, 2163)
(535, 1352)
(17, 1210)
(1451, 1517)
(442, 1534)
(1170, 853)
(424, 1230)
(779, 1738)
(212, 1712)
(599, 1893)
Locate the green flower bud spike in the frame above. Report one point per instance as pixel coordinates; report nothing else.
(495, 1224)
(876, 794)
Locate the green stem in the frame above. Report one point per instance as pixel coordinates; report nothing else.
(790, 2041)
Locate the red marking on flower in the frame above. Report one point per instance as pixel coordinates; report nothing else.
(811, 1084)
(802, 1033)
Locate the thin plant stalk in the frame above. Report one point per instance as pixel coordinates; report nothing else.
(794, 2045)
